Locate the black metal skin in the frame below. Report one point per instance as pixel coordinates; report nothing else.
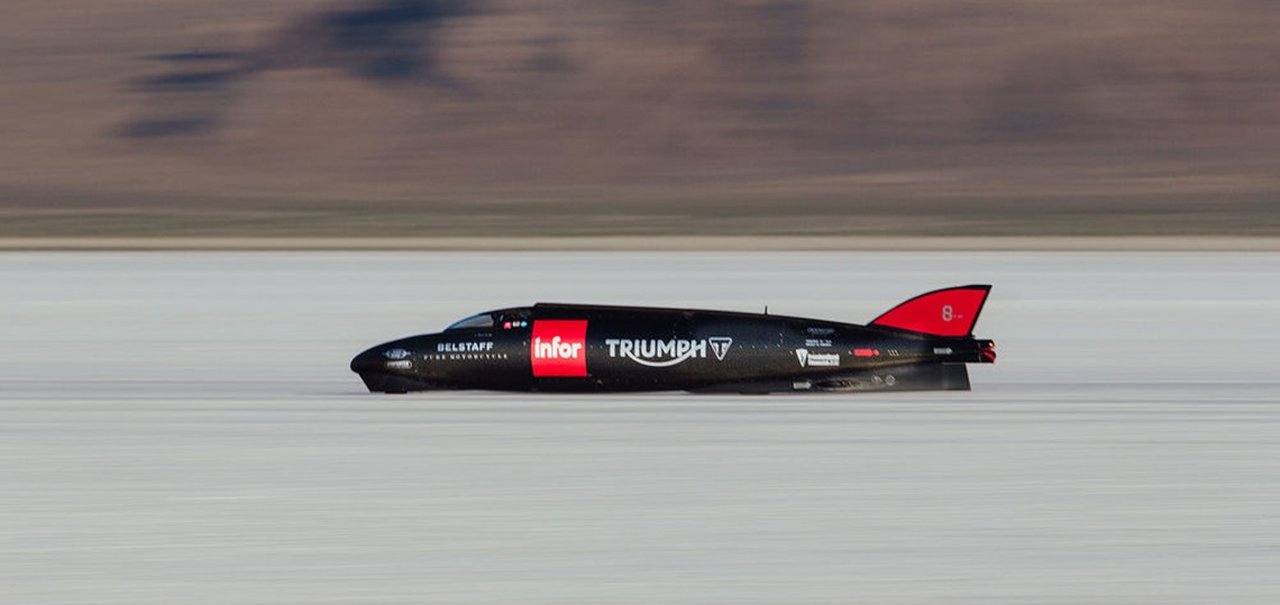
(725, 352)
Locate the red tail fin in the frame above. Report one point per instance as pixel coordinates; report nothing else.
(950, 312)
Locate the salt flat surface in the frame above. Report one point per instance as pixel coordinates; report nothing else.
(182, 428)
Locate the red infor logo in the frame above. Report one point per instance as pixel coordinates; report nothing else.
(558, 348)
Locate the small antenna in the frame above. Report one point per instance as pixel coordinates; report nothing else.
(766, 309)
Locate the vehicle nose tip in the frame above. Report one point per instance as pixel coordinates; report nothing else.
(381, 359)
(368, 361)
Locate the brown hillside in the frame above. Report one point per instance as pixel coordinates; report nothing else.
(194, 116)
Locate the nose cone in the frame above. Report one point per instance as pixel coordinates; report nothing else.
(368, 361)
(387, 368)
(382, 358)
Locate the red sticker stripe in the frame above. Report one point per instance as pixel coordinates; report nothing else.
(558, 348)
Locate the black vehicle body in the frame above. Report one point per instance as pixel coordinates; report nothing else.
(922, 344)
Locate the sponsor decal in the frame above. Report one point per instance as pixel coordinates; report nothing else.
(507, 325)
(558, 348)
(816, 331)
(464, 356)
(866, 352)
(399, 364)
(817, 360)
(667, 353)
(395, 354)
(817, 342)
(720, 346)
(942, 350)
(464, 347)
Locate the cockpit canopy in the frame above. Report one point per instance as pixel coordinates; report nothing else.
(479, 320)
(491, 319)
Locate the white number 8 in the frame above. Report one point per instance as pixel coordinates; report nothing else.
(947, 313)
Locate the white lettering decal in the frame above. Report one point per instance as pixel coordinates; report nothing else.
(666, 353)
(824, 360)
(817, 360)
(463, 347)
(556, 349)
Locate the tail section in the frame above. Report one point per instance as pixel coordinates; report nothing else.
(949, 313)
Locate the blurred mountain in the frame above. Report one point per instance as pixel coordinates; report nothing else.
(1104, 116)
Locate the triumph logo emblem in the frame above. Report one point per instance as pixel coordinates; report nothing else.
(666, 353)
(720, 346)
(395, 354)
